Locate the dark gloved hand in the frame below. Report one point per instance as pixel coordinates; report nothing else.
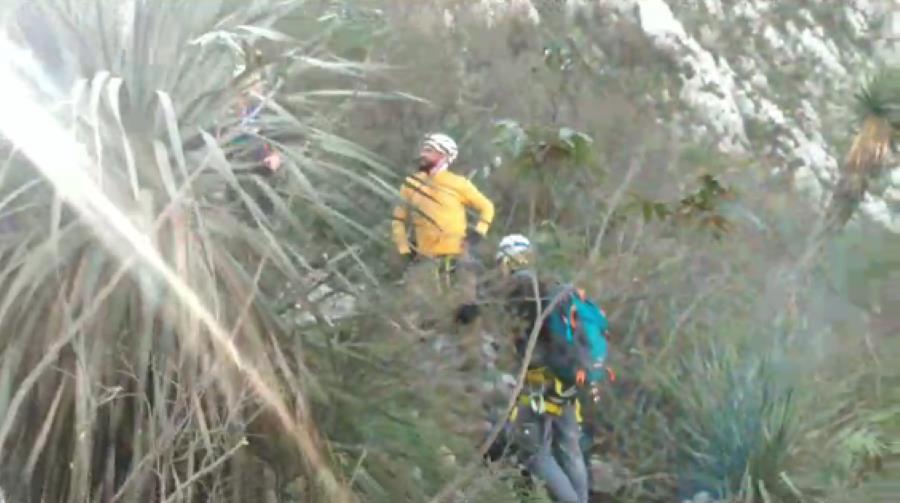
(466, 313)
(402, 260)
(399, 264)
(473, 239)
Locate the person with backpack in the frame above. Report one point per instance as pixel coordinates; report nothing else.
(254, 161)
(566, 366)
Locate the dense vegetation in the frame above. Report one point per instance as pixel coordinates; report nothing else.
(178, 346)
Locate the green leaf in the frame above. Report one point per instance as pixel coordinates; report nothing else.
(880, 96)
(647, 209)
(567, 135)
(662, 211)
(511, 137)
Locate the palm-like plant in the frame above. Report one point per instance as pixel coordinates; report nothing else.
(878, 106)
(138, 368)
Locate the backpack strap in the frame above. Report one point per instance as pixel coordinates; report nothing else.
(564, 307)
(524, 275)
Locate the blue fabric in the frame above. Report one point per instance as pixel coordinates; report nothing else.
(584, 344)
(249, 125)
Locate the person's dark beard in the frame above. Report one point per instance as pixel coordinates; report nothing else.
(424, 164)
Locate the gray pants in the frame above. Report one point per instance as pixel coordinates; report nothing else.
(550, 449)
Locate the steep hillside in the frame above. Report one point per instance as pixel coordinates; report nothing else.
(221, 313)
(764, 79)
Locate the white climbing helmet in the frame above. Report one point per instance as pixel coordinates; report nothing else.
(442, 143)
(514, 247)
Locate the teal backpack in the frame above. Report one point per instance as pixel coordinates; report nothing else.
(576, 332)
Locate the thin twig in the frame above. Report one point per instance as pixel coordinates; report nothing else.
(41, 441)
(251, 296)
(160, 445)
(633, 169)
(206, 469)
(685, 315)
(358, 467)
(870, 346)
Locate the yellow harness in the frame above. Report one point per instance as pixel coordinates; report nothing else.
(540, 400)
(446, 266)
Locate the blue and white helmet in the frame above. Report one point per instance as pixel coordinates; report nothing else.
(513, 248)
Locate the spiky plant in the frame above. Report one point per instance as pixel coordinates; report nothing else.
(736, 425)
(878, 106)
(140, 360)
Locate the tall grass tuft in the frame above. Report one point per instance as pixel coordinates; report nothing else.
(140, 359)
(735, 422)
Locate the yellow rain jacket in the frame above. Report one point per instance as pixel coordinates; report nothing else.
(437, 204)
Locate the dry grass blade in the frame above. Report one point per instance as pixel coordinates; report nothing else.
(78, 189)
(113, 94)
(45, 431)
(206, 469)
(870, 146)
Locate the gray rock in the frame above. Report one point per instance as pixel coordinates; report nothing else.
(606, 478)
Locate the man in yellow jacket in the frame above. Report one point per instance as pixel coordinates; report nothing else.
(444, 271)
(435, 199)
